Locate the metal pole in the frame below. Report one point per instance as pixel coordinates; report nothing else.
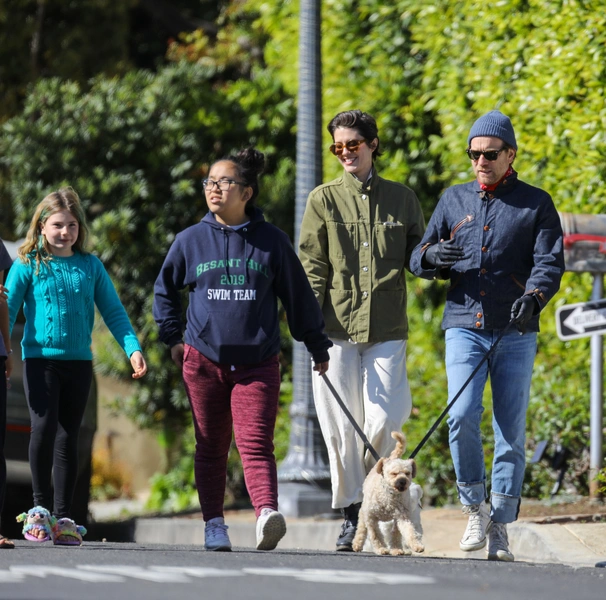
(304, 475)
(597, 397)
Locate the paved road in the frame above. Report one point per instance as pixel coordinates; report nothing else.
(116, 571)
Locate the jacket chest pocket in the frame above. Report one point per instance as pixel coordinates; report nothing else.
(390, 240)
(342, 240)
(468, 232)
(461, 226)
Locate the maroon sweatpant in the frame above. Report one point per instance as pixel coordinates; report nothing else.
(242, 396)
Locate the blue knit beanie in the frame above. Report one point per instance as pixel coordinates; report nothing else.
(494, 124)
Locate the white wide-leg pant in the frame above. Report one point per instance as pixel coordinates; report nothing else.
(372, 382)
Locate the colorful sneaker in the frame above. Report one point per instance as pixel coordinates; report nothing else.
(498, 543)
(38, 526)
(67, 533)
(271, 528)
(478, 526)
(215, 535)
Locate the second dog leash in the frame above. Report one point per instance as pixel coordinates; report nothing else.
(351, 418)
(445, 411)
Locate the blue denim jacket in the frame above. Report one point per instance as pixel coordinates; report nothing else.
(512, 239)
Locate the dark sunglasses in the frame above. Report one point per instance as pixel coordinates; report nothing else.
(488, 154)
(351, 145)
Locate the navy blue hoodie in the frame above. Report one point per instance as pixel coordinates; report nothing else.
(234, 279)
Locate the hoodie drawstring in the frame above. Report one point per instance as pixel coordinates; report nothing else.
(225, 250)
(246, 257)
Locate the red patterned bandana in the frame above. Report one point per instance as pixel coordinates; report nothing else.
(494, 186)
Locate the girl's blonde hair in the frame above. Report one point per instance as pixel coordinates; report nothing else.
(35, 245)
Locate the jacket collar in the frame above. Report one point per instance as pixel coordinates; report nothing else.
(503, 188)
(358, 186)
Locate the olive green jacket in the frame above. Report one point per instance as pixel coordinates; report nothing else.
(355, 242)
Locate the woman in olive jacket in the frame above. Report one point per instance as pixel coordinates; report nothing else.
(357, 235)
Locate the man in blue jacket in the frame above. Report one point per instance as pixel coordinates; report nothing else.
(499, 242)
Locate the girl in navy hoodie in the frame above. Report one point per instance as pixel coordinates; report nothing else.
(235, 266)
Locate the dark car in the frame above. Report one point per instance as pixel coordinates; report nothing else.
(19, 482)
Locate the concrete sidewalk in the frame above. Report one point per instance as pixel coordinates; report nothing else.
(578, 541)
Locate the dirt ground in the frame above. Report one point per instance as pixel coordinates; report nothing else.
(563, 508)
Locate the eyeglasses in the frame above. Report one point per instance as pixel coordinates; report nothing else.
(488, 154)
(351, 145)
(223, 184)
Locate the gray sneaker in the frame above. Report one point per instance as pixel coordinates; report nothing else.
(271, 528)
(215, 535)
(498, 543)
(478, 526)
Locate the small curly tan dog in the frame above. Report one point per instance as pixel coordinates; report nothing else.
(387, 497)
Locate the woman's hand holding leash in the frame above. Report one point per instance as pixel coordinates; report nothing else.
(321, 368)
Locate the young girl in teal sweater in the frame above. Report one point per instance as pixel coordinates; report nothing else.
(59, 283)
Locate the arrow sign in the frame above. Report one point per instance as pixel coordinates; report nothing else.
(581, 320)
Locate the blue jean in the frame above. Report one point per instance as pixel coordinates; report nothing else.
(510, 369)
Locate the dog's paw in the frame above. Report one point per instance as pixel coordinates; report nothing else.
(418, 548)
(397, 552)
(382, 551)
(357, 547)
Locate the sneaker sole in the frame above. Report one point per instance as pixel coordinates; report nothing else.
(501, 556)
(472, 547)
(218, 549)
(345, 548)
(273, 531)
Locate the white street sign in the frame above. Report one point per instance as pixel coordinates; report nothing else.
(581, 320)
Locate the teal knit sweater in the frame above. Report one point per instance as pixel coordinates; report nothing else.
(59, 306)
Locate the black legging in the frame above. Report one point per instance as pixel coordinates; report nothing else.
(3, 397)
(56, 392)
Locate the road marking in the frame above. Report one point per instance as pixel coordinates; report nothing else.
(335, 576)
(201, 571)
(138, 573)
(43, 571)
(166, 574)
(8, 577)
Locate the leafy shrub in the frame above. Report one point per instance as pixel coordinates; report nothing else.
(110, 479)
(136, 149)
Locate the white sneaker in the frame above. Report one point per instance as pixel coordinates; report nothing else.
(271, 528)
(498, 543)
(215, 535)
(478, 526)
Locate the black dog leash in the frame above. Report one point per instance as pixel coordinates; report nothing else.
(351, 419)
(362, 435)
(445, 411)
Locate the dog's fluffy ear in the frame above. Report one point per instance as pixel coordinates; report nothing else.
(379, 466)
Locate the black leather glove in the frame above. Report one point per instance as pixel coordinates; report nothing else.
(443, 254)
(522, 310)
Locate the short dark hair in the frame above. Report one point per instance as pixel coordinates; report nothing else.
(364, 123)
